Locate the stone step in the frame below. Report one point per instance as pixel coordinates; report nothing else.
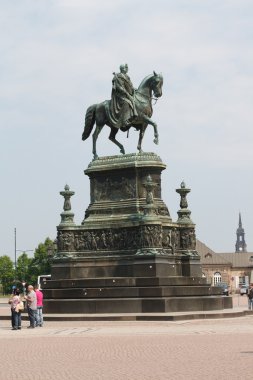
(124, 281)
(126, 292)
(136, 305)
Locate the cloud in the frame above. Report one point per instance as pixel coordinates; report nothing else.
(58, 58)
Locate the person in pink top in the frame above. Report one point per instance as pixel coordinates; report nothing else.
(39, 314)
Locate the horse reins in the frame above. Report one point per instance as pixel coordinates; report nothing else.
(146, 96)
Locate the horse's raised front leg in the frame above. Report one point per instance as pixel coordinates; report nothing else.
(94, 138)
(151, 122)
(141, 134)
(112, 135)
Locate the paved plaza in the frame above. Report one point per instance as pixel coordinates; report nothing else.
(198, 349)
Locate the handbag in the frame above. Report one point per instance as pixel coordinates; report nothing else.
(20, 307)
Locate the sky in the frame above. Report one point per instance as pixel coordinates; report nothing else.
(57, 58)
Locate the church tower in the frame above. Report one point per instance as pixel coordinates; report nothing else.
(240, 245)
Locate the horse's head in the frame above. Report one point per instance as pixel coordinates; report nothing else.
(157, 84)
(151, 84)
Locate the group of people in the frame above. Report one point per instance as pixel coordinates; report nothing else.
(34, 302)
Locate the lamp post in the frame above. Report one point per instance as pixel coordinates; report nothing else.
(15, 254)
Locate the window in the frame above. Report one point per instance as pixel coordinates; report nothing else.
(216, 278)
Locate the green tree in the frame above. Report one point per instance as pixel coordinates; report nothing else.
(6, 274)
(41, 263)
(23, 268)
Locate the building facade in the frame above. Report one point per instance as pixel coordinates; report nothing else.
(233, 268)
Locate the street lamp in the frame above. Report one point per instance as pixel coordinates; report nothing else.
(24, 250)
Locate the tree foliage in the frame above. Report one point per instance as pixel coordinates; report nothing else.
(6, 273)
(41, 262)
(23, 272)
(28, 268)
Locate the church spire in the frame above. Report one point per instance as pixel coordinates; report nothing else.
(240, 220)
(240, 245)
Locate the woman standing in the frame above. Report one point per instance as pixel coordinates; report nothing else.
(15, 312)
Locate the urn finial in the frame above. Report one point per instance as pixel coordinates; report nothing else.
(67, 216)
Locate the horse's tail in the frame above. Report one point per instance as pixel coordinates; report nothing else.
(89, 121)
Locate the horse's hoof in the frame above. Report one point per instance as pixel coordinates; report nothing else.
(156, 141)
(95, 157)
(122, 151)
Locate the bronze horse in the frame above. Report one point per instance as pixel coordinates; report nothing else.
(98, 113)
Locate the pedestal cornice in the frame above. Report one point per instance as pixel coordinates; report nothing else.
(131, 160)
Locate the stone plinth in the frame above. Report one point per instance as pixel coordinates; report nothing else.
(117, 189)
(128, 255)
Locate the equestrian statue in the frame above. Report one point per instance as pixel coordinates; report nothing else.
(127, 108)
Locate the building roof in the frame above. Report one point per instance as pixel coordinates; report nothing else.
(233, 259)
(242, 259)
(208, 256)
(202, 248)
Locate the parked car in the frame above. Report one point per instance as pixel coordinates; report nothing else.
(225, 288)
(243, 289)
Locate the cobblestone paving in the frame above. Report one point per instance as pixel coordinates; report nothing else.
(200, 349)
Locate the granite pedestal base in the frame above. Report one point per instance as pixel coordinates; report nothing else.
(128, 256)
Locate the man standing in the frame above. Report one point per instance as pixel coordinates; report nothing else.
(39, 314)
(122, 104)
(31, 306)
(250, 296)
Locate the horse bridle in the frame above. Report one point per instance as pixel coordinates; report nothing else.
(146, 96)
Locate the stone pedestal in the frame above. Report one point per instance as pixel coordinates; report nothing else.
(128, 255)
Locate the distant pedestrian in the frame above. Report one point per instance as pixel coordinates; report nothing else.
(14, 301)
(13, 288)
(250, 297)
(31, 306)
(39, 314)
